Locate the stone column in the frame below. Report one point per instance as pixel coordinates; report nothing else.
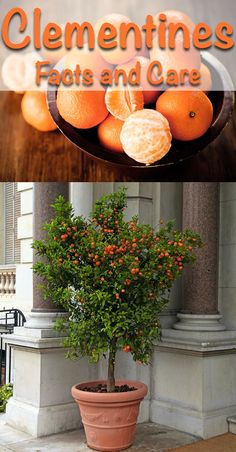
(200, 281)
(44, 312)
(42, 403)
(194, 364)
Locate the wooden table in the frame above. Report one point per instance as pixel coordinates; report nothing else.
(28, 155)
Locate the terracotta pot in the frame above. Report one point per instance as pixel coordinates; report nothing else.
(109, 419)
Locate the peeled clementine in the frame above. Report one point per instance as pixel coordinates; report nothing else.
(117, 55)
(150, 93)
(124, 101)
(81, 107)
(109, 133)
(146, 136)
(35, 111)
(190, 113)
(18, 72)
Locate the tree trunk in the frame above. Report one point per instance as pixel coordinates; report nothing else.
(111, 368)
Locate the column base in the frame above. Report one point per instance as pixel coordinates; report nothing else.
(42, 421)
(194, 376)
(232, 424)
(205, 425)
(197, 322)
(43, 320)
(42, 403)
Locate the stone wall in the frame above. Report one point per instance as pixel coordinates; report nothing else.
(227, 254)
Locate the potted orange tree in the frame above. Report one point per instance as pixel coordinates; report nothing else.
(112, 277)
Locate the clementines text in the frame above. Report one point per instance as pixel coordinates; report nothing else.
(53, 36)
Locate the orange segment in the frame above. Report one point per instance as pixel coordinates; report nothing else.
(109, 133)
(35, 111)
(190, 113)
(150, 93)
(121, 103)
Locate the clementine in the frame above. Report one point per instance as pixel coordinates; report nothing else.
(146, 136)
(56, 54)
(22, 79)
(87, 59)
(116, 55)
(190, 113)
(124, 101)
(174, 17)
(150, 93)
(205, 83)
(176, 59)
(206, 79)
(35, 111)
(109, 133)
(83, 108)
(144, 51)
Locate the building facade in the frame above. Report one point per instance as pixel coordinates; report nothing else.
(193, 372)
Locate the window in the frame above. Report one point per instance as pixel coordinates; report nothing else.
(10, 211)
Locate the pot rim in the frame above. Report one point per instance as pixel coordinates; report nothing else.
(86, 396)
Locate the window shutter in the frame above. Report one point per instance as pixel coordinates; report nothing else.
(17, 207)
(12, 212)
(9, 230)
(2, 225)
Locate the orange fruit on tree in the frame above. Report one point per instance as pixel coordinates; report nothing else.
(121, 102)
(146, 136)
(82, 107)
(150, 93)
(190, 113)
(35, 111)
(126, 349)
(109, 133)
(117, 55)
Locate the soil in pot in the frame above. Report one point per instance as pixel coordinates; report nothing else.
(103, 388)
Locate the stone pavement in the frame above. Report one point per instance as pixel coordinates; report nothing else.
(149, 438)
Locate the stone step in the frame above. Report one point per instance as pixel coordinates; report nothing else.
(232, 424)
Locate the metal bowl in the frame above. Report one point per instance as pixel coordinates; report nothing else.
(222, 100)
